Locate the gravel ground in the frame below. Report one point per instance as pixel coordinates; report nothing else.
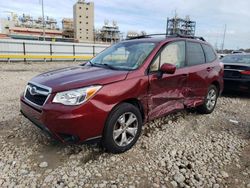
(184, 149)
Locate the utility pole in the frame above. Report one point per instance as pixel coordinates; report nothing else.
(224, 36)
(43, 21)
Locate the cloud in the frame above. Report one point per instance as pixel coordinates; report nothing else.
(151, 16)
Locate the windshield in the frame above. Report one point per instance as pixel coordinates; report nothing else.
(243, 59)
(125, 55)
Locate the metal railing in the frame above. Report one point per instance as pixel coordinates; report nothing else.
(19, 50)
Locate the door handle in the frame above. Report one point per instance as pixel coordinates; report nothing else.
(184, 75)
(209, 69)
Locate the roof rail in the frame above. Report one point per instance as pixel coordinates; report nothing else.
(164, 34)
(191, 37)
(147, 36)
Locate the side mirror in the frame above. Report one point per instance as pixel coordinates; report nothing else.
(168, 68)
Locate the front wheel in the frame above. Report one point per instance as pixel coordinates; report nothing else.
(210, 100)
(122, 128)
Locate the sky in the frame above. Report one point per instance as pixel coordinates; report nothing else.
(211, 16)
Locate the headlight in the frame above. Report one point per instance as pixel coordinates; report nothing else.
(76, 96)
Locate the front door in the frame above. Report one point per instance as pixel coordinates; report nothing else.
(167, 92)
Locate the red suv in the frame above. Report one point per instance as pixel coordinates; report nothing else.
(132, 82)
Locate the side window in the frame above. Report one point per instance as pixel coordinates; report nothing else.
(209, 53)
(195, 54)
(155, 65)
(174, 53)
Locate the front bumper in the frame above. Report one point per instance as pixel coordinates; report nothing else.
(64, 123)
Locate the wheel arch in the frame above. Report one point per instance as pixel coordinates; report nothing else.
(217, 85)
(137, 103)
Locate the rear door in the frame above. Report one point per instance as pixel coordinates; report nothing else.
(198, 74)
(167, 93)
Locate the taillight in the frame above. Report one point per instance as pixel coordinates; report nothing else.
(245, 72)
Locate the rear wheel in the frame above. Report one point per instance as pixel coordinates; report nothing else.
(210, 100)
(122, 128)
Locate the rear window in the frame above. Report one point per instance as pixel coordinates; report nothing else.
(195, 55)
(243, 59)
(209, 53)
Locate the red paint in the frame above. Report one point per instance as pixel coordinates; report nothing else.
(168, 68)
(158, 96)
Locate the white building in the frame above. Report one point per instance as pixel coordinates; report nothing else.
(84, 21)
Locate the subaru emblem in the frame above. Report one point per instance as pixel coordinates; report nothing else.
(33, 90)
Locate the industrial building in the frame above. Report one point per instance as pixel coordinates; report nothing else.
(83, 21)
(68, 28)
(27, 27)
(109, 33)
(78, 29)
(182, 26)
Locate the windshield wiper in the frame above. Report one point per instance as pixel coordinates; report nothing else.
(104, 65)
(109, 66)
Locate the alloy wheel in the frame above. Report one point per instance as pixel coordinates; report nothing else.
(125, 129)
(211, 99)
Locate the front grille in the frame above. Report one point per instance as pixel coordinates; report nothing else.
(36, 94)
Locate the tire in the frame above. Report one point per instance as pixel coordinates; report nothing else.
(210, 100)
(122, 128)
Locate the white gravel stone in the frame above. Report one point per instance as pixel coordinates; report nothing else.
(131, 186)
(224, 174)
(43, 164)
(24, 172)
(174, 184)
(73, 174)
(179, 178)
(113, 158)
(216, 185)
(49, 178)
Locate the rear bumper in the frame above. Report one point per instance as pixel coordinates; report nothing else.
(66, 124)
(237, 84)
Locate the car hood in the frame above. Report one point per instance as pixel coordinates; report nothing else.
(78, 76)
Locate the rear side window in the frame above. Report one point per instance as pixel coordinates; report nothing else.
(195, 54)
(209, 53)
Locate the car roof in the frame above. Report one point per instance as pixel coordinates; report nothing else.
(238, 54)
